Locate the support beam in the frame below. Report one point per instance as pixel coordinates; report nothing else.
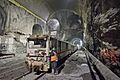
(29, 11)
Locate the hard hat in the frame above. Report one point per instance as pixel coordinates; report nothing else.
(53, 48)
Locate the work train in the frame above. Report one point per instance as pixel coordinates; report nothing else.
(39, 52)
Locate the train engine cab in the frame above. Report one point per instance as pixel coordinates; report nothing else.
(37, 58)
(45, 53)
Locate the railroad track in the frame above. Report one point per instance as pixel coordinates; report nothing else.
(5, 57)
(7, 69)
(10, 74)
(30, 76)
(17, 78)
(10, 61)
(12, 71)
(42, 74)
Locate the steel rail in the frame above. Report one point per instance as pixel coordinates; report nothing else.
(17, 78)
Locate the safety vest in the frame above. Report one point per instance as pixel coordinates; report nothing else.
(54, 57)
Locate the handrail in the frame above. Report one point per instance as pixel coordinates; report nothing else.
(104, 71)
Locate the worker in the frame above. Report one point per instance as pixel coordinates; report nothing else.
(54, 60)
(102, 57)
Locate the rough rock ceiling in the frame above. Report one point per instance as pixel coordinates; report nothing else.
(44, 8)
(63, 4)
(100, 16)
(71, 25)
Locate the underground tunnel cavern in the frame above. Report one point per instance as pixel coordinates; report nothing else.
(92, 24)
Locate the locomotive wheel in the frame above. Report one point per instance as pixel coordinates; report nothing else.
(37, 70)
(29, 67)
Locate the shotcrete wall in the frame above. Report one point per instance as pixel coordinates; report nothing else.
(15, 27)
(104, 21)
(103, 30)
(18, 20)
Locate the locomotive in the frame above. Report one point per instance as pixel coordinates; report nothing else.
(39, 52)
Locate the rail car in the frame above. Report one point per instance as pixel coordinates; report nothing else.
(39, 52)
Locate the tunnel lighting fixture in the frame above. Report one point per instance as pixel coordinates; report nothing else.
(53, 24)
(78, 42)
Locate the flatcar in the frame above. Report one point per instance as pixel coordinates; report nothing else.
(39, 52)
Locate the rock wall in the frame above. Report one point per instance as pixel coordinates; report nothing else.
(103, 28)
(3, 16)
(104, 22)
(15, 26)
(17, 19)
(70, 25)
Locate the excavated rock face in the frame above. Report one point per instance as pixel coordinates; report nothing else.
(101, 16)
(104, 22)
(70, 25)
